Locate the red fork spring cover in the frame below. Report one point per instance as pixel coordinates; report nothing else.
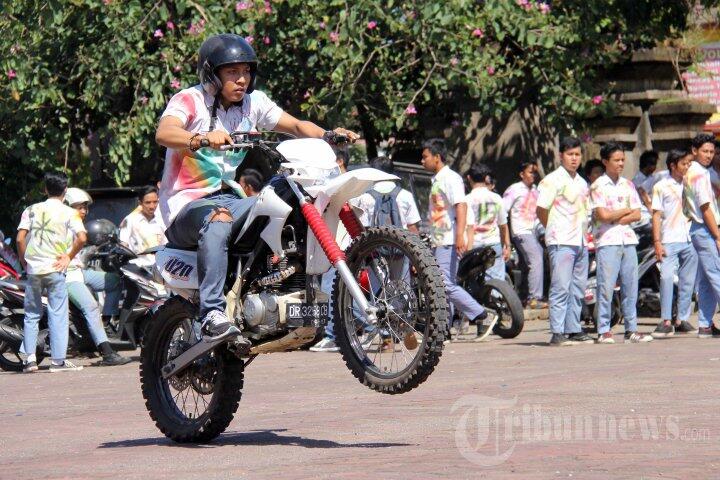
(350, 220)
(322, 233)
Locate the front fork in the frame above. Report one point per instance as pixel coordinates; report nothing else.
(333, 251)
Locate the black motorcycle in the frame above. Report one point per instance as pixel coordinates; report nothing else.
(498, 296)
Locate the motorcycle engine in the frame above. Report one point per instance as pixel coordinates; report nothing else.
(261, 312)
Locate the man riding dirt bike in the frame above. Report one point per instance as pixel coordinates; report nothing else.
(279, 244)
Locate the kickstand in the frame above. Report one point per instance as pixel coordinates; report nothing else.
(249, 360)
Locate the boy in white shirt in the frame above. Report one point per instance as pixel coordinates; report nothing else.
(700, 205)
(448, 215)
(673, 247)
(562, 208)
(487, 219)
(616, 205)
(143, 228)
(46, 247)
(520, 201)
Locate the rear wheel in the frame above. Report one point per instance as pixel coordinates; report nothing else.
(197, 404)
(401, 278)
(500, 297)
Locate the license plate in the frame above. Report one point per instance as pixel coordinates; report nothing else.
(306, 314)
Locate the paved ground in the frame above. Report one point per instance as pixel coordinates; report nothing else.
(503, 409)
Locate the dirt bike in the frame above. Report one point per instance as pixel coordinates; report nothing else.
(497, 295)
(388, 288)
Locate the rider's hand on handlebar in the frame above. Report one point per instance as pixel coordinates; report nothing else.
(340, 135)
(218, 138)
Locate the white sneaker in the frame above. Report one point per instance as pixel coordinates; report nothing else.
(65, 367)
(636, 337)
(325, 345)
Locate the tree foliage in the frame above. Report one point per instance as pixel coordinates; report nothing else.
(85, 80)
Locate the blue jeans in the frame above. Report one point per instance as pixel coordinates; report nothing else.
(447, 259)
(532, 254)
(109, 283)
(569, 267)
(613, 262)
(497, 270)
(57, 298)
(81, 296)
(708, 273)
(680, 255)
(192, 228)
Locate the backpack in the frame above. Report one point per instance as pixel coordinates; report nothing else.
(386, 210)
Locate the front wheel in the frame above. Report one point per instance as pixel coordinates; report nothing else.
(197, 404)
(401, 278)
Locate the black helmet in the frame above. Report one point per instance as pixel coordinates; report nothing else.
(224, 49)
(100, 231)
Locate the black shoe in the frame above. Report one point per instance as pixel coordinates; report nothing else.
(113, 359)
(558, 339)
(715, 331)
(580, 337)
(685, 327)
(664, 329)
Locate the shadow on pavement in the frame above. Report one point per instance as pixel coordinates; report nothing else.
(255, 437)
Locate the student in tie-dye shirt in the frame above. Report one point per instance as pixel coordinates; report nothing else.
(520, 201)
(673, 248)
(49, 236)
(562, 208)
(700, 206)
(448, 214)
(487, 219)
(616, 204)
(199, 198)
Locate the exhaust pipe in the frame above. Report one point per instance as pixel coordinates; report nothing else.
(11, 335)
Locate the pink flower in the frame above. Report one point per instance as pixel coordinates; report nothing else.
(268, 8)
(544, 8)
(266, 40)
(491, 70)
(158, 34)
(371, 24)
(11, 74)
(177, 68)
(454, 61)
(175, 83)
(241, 6)
(334, 37)
(250, 39)
(410, 110)
(307, 94)
(597, 99)
(478, 33)
(197, 28)
(170, 25)
(455, 123)
(522, 3)
(107, 2)
(322, 25)
(144, 100)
